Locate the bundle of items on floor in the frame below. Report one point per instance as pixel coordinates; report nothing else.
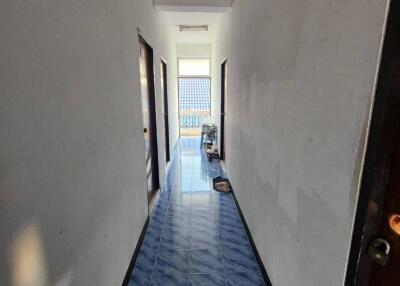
(209, 131)
(212, 153)
(221, 184)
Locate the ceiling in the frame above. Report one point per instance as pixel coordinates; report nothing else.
(174, 19)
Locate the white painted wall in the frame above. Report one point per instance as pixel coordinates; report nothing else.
(72, 173)
(300, 84)
(194, 50)
(220, 48)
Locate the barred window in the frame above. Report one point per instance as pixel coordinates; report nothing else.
(194, 94)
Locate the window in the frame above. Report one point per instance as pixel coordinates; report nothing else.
(194, 84)
(194, 94)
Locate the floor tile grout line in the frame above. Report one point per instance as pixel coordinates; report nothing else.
(163, 227)
(213, 203)
(190, 230)
(247, 239)
(222, 256)
(162, 230)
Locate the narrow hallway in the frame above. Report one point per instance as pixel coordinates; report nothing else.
(195, 235)
(102, 178)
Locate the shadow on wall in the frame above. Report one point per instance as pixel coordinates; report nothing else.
(37, 253)
(305, 222)
(294, 236)
(28, 265)
(277, 44)
(28, 259)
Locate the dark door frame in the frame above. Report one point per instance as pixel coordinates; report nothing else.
(153, 116)
(223, 109)
(382, 141)
(166, 117)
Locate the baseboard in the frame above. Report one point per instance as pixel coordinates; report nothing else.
(135, 253)
(142, 234)
(253, 245)
(246, 227)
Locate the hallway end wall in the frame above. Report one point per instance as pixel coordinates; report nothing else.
(301, 78)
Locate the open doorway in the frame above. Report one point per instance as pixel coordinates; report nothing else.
(375, 248)
(224, 86)
(149, 117)
(164, 92)
(194, 89)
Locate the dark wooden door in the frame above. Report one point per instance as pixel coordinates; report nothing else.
(379, 198)
(164, 91)
(149, 117)
(224, 88)
(389, 275)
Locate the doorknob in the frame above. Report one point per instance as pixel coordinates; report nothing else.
(145, 130)
(379, 251)
(394, 223)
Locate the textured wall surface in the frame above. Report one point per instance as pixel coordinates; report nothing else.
(193, 50)
(72, 173)
(300, 85)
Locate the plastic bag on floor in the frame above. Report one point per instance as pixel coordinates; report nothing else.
(221, 184)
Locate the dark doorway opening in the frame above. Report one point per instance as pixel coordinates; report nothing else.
(164, 91)
(379, 197)
(149, 117)
(224, 88)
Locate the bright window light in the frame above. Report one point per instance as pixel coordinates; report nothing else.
(194, 67)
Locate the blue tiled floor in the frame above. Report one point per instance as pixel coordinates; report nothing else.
(195, 235)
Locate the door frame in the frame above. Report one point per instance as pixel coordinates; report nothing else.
(224, 68)
(164, 79)
(153, 119)
(381, 142)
